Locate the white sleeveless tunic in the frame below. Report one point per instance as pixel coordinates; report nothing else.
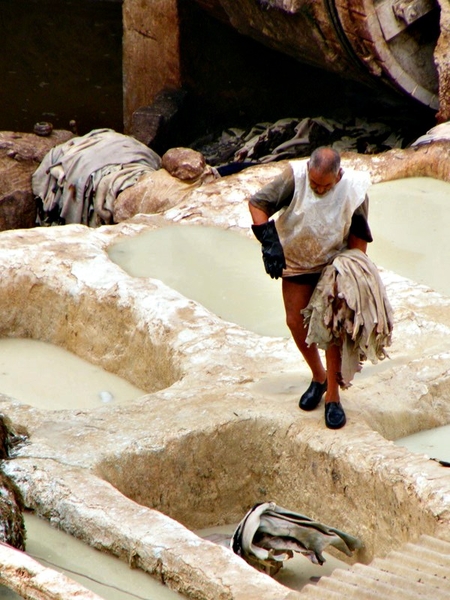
(314, 229)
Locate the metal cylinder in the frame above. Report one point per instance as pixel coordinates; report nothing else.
(371, 41)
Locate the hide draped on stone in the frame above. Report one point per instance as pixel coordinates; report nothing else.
(182, 171)
(79, 180)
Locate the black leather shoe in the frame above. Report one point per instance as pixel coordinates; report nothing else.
(334, 415)
(313, 395)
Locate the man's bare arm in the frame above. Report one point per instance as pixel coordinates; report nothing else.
(356, 242)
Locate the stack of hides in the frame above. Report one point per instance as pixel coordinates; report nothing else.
(78, 181)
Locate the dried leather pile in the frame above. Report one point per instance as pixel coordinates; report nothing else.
(78, 181)
(291, 138)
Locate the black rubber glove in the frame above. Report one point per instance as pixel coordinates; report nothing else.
(272, 250)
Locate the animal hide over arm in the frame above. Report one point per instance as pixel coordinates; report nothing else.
(349, 307)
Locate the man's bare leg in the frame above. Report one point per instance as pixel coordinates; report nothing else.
(333, 358)
(296, 297)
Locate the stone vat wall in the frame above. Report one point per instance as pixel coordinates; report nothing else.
(53, 307)
(214, 436)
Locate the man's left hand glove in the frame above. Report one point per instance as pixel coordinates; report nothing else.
(272, 250)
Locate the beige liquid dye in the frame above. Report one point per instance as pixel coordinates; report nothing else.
(218, 268)
(435, 443)
(46, 376)
(49, 377)
(410, 221)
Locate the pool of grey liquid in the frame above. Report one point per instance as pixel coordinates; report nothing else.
(434, 443)
(223, 270)
(218, 268)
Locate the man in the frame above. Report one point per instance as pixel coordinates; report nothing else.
(324, 211)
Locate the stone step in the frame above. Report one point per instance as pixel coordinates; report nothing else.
(426, 554)
(412, 581)
(417, 571)
(310, 591)
(416, 562)
(434, 543)
(413, 576)
(348, 589)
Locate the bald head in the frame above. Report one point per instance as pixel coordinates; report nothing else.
(324, 170)
(325, 160)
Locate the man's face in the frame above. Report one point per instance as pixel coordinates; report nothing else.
(321, 182)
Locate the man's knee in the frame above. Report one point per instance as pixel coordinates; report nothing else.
(295, 323)
(292, 322)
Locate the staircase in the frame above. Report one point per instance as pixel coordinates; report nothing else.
(415, 572)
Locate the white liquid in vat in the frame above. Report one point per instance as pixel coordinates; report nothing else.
(410, 221)
(46, 376)
(218, 268)
(435, 443)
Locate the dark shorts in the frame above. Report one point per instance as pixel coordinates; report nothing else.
(305, 279)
